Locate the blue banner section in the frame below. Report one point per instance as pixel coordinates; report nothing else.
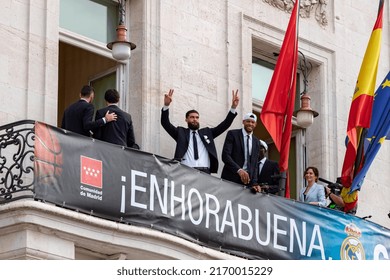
(139, 188)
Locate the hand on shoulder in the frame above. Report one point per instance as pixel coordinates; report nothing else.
(110, 116)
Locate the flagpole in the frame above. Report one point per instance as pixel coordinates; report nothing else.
(282, 184)
(360, 151)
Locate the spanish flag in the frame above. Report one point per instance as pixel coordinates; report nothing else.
(362, 103)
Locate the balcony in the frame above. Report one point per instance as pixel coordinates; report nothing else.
(32, 228)
(66, 196)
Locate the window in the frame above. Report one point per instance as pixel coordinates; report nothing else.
(101, 83)
(262, 71)
(261, 77)
(85, 28)
(95, 19)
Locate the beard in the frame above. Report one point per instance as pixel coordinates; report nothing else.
(193, 126)
(249, 128)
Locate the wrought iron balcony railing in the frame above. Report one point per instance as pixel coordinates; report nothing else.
(17, 160)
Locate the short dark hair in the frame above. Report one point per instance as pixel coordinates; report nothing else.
(111, 96)
(86, 91)
(190, 112)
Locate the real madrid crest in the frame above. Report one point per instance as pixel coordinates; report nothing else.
(352, 248)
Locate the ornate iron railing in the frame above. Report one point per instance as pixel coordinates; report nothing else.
(17, 160)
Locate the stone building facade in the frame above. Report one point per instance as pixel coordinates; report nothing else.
(203, 50)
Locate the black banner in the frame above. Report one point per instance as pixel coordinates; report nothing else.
(143, 189)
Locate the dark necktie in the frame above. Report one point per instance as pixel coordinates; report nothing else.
(196, 155)
(247, 153)
(260, 167)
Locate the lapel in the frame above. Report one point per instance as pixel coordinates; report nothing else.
(241, 139)
(188, 132)
(310, 191)
(254, 145)
(202, 137)
(263, 167)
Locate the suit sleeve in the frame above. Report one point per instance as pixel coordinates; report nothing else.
(166, 124)
(321, 196)
(97, 131)
(130, 135)
(88, 122)
(227, 151)
(224, 125)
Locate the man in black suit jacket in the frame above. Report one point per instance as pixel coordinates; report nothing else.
(78, 117)
(240, 153)
(121, 131)
(202, 155)
(268, 171)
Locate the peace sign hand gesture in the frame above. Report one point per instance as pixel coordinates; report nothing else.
(168, 97)
(235, 99)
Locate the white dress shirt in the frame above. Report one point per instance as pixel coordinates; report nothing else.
(245, 134)
(189, 159)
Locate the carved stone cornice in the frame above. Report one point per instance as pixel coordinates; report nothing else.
(306, 8)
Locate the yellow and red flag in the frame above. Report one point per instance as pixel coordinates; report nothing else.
(278, 105)
(362, 102)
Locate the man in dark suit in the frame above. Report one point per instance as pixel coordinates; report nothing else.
(195, 147)
(121, 131)
(78, 117)
(268, 171)
(240, 153)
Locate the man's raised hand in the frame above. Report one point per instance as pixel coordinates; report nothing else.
(168, 97)
(235, 99)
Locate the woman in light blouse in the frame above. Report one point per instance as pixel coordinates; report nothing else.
(313, 193)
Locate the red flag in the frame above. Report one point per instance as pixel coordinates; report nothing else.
(278, 107)
(362, 103)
